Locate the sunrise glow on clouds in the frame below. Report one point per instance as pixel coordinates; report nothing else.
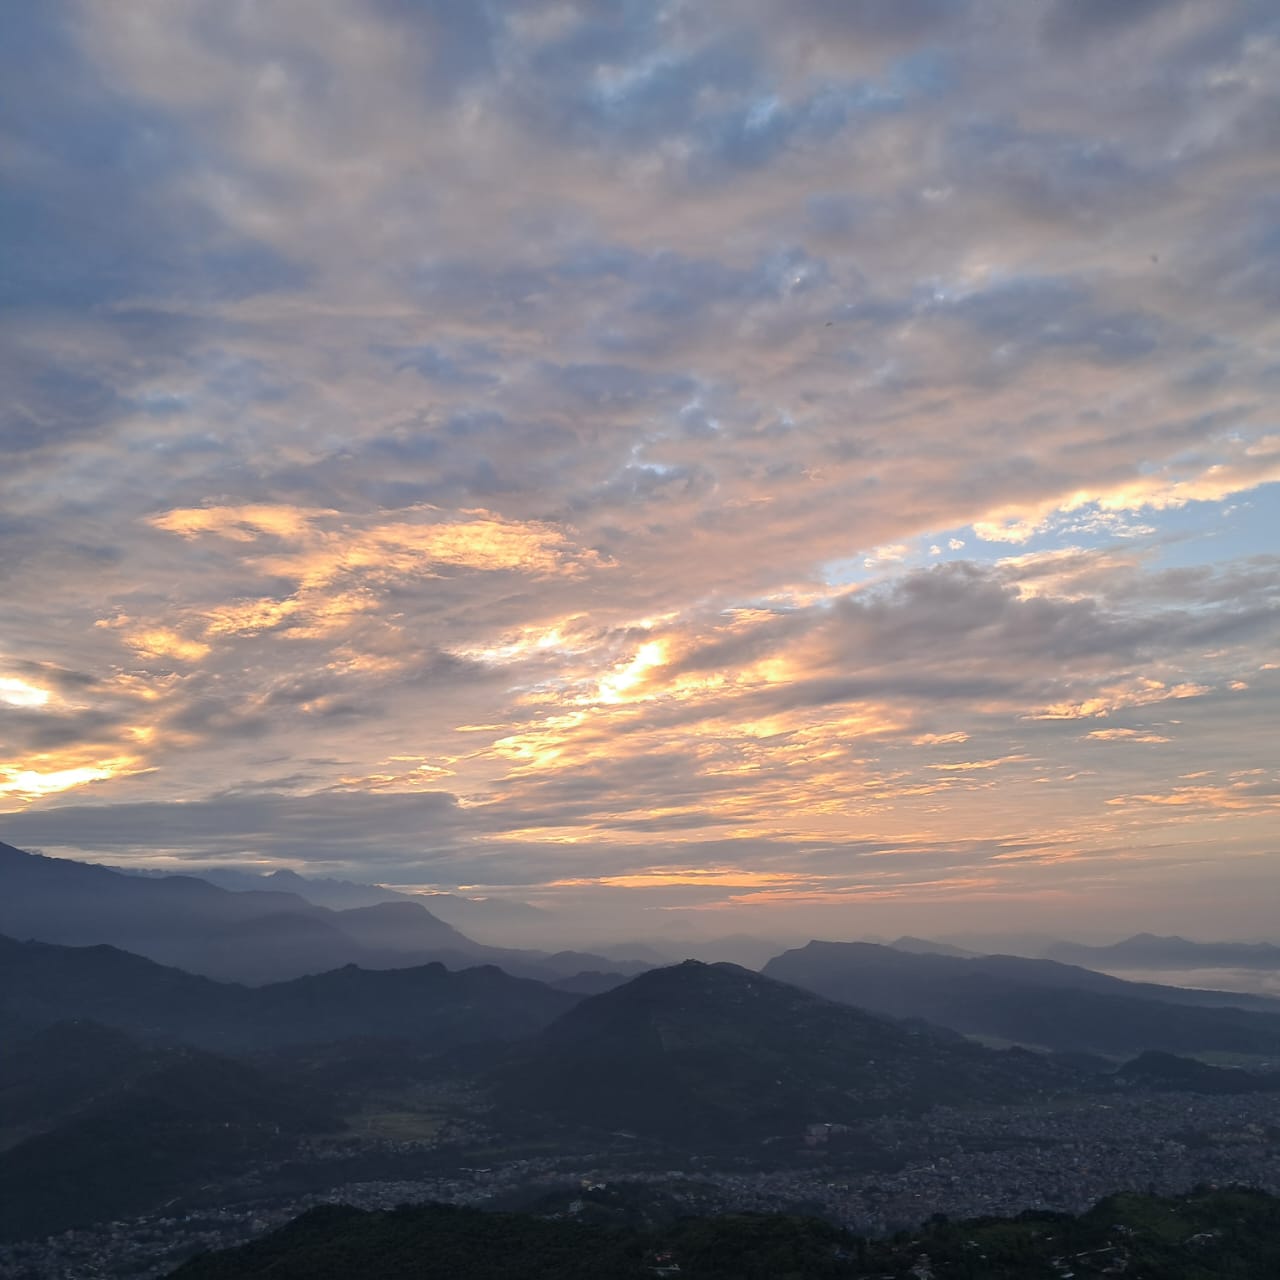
(808, 462)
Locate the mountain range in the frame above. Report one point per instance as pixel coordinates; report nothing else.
(255, 935)
(1040, 1003)
(42, 984)
(125, 1084)
(494, 916)
(1149, 951)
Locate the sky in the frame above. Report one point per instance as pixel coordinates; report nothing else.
(709, 465)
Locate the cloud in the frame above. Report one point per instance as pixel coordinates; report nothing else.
(1074, 21)
(1124, 735)
(19, 693)
(339, 570)
(562, 400)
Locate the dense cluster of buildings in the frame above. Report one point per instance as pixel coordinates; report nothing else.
(963, 1163)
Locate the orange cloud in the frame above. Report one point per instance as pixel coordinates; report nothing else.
(48, 774)
(1248, 793)
(1140, 692)
(240, 524)
(162, 642)
(338, 566)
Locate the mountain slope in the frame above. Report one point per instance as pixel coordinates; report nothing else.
(338, 895)
(716, 1053)
(253, 936)
(492, 916)
(138, 1129)
(41, 984)
(1037, 1002)
(49, 1075)
(79, 903)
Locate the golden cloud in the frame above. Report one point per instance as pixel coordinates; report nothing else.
(155, 641)
(1141, 692)
(240, 524)
(161, 642)
(1242, 795)
(48, 774)
(1254, 464)
(338, 566)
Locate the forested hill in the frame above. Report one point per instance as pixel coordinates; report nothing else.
(42, 984)
(1231, 1233)
(719, 1054)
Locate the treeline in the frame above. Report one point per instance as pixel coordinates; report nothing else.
(1229, 1234)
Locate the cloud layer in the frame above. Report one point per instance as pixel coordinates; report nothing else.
(727, 459)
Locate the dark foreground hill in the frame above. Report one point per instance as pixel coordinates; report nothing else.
(41, 984)
(718, 1054)
(1231, 1233)
(106, 1126)
(1033, 1002)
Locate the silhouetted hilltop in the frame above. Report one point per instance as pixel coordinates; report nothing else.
(41, 984)
(925, 947)
(716, 1052)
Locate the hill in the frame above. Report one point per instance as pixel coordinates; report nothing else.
(1033, 1002)
(49, 1075)
(41, 984)
(1149, 951)
(1166, 1072)
(925, 946)
(715, 1053)
(1228, 1233)
(117, 1127)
